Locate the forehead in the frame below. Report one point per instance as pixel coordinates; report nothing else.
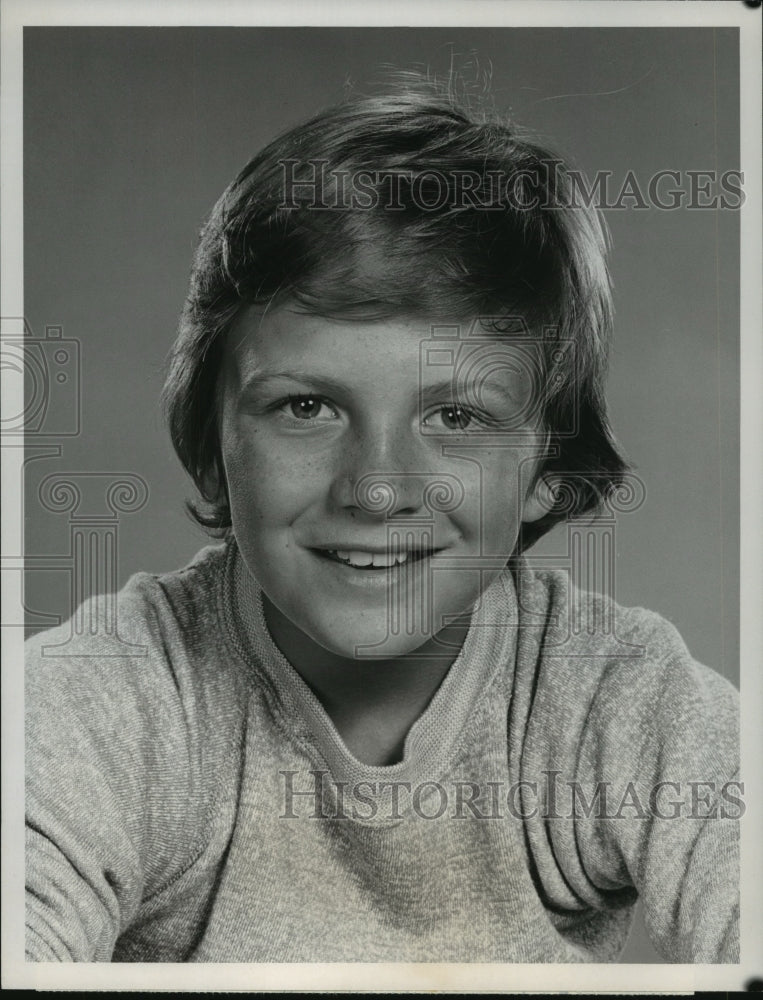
(260, 334)
(283, 337)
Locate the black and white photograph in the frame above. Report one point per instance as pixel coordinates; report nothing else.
(381, 537)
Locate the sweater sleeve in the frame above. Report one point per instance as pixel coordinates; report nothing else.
(662, 736)
(109, 775)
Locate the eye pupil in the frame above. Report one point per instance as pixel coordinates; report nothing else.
(455, 417)
(305, 406)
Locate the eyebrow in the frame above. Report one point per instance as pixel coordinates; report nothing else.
(263, 376)
(457, 389)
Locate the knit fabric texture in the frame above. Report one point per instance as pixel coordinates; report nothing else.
(194, 802)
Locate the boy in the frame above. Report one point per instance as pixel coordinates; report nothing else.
(364, 728)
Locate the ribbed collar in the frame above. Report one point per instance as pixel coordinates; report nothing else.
(435, 737)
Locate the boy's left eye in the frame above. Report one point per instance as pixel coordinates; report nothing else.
(452, 417)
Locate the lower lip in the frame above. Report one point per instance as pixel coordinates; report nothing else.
(371, 576)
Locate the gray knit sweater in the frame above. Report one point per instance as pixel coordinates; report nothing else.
(195, 803)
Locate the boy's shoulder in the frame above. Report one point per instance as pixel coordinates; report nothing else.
(615, 673)
(573, 622)
(111, 623)
(156, 641)
(584, 622)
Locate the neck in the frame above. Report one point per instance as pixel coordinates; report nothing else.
(372, 703)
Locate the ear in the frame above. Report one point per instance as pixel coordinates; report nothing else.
(214, 483)
(539, 500)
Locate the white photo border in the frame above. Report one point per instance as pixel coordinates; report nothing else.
(477, 977)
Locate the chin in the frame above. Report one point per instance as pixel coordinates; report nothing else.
(367, 643)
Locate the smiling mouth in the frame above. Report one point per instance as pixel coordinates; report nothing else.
(374, 560)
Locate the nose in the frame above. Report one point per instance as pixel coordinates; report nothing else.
(382, 474)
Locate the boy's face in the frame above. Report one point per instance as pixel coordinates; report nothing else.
(349, 446)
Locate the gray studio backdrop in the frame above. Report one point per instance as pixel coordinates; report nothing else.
(130, 134)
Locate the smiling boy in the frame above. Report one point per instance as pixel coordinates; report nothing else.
(365, 729)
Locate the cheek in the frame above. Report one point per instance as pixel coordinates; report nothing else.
(492, 504)
(266, 482)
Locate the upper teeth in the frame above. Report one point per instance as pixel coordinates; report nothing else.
(372, 558)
